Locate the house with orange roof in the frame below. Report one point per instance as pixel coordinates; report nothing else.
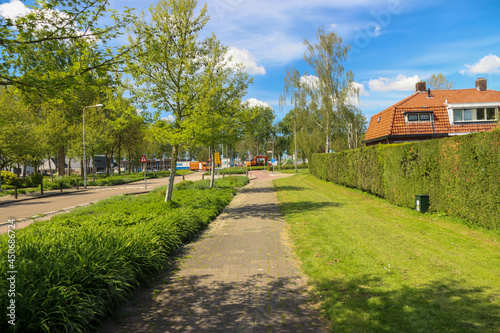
(432, 114)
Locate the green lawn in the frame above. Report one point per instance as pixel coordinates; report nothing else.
(376, 267)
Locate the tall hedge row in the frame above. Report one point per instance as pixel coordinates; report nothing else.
(461, 175)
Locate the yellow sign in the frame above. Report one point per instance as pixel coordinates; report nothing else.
(216, 158)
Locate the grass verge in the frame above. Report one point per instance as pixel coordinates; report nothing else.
(76, 268)
(376, 267)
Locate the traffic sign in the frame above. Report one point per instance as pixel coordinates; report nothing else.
(143, 159)
(273, 160)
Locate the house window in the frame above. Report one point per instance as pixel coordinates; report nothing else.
(480, 114)
(418, 117)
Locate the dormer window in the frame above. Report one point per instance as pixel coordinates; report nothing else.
(421, 117)
(474, 115)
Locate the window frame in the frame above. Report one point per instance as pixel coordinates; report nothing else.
(419, 114)
(473, 114)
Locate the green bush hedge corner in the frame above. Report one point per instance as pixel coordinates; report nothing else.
(461, 174)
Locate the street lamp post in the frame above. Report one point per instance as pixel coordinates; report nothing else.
(84, 157)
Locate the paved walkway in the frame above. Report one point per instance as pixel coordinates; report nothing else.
(240, 276)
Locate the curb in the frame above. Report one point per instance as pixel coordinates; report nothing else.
(41, 196)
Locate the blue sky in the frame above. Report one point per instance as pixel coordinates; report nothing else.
(395, 43)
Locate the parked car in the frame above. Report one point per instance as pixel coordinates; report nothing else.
(101, 172)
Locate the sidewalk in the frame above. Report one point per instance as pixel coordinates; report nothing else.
(239, 276)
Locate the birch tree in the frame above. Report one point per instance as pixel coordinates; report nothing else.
(329, 86)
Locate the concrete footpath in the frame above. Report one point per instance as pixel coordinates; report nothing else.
(239, 276)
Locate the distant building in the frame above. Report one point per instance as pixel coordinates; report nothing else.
(431, 114)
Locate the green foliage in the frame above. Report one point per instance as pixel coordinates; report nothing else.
(36, 179)
(459, 174)
(226, 182)
(8, 178)
(78, 267)
(287, 167)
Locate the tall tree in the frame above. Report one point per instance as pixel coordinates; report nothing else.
(217, 118)
(330, 86)
(50, 28)
(258, 125)
(167, 68)
(439, 82)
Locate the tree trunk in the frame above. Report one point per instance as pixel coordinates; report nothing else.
(93, 165)
(69, 167)
(60, 162)
(50, 169)
(212, 168)
(81, 167)
(327, 129)
(24, 169)
(119, 159)
(129, 163)
(168, 194)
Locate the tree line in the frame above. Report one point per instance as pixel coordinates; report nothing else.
(55, 63)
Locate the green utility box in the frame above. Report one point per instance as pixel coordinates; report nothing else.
(421, 203)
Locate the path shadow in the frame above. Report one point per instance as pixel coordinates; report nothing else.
(207, 303)
(271, 210)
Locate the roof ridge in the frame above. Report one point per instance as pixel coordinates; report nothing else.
(405, 100)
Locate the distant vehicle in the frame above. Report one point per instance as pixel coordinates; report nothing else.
(154, 170)
(148, 170)
(182, 166)
(199, 166)
(101, 172)
(259, 160)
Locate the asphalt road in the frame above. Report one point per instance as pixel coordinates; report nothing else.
(24, 210)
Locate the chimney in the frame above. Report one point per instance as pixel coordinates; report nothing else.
(420, 86)
(481, 84)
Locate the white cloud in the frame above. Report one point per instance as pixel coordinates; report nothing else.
(355, 100)
(248, 60)
(400, 82)
(13, 9)
(488, 64)
(309, 80)
(168, 118)
(361, 87)
(255, 102)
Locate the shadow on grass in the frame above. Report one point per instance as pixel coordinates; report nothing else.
(290, 209)
(288, 188)
(364, 305)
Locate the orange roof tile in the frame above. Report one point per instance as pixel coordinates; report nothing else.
(392, 120)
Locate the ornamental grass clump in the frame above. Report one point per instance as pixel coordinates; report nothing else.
(76, 268)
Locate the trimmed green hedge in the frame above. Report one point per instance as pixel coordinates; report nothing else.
(76, 268)
(287, 167)
(461, 175)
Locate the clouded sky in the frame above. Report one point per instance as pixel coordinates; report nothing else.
(395, 43)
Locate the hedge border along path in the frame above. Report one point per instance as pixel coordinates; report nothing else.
(77, 267)
(460, 174)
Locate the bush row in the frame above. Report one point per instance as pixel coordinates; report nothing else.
(70, 181)
(77, 267)
(287, 167)
(460, 174)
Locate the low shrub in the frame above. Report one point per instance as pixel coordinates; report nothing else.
(78, 267)
(8, 178)
(36, 179)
